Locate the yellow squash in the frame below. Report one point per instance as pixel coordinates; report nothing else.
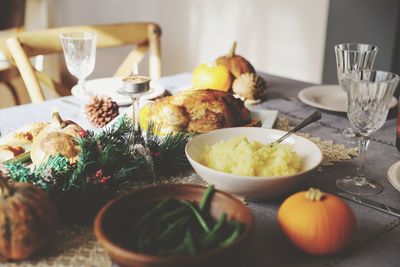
(215, 77)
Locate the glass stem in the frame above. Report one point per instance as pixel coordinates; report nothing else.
(135, 110)
(81, 84)
(360, 177)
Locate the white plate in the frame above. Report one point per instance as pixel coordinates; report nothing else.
(394, 175)
(328, 97)
(109, 86)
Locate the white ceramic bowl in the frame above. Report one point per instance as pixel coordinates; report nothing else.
(253, 187)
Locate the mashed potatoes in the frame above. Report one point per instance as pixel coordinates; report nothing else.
(239, 156)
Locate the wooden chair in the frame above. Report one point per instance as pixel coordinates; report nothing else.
(8, 73)
(12, 20)
(22, 46)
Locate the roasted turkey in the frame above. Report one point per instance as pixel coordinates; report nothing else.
(198, 111)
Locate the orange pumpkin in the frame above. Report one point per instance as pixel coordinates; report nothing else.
(28, 219)
(317, 223)
(215, 77)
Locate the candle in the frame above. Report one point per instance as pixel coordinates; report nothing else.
(133, 85)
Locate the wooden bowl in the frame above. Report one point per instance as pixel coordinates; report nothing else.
(112, 226)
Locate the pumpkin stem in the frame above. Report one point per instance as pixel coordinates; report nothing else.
(5, 189)
(314, 194)
(57, 120)
(233, 49)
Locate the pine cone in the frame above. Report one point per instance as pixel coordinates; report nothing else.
(249, 86)
(100, 110)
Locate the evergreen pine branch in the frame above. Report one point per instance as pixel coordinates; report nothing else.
(19, 173)
(153, 139)
(49, 175)
(58, 164)
(88, 155)
(113, 151)
(171, 149)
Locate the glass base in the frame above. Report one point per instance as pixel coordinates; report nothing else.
(349, 132)
(366, 188)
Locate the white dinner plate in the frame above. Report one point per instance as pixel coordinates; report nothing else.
(328, 97)
(109, 86)
(394, 175)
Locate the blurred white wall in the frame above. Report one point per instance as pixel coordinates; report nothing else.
(285, 38)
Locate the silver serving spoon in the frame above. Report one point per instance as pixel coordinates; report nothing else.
(312, 118)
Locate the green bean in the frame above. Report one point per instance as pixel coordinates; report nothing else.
(170, 215)
(199, 218)
(151, 212)
(159, 225)
(189, 242)
(206, 197)
(142, 228)
(187, 246)
(142, 241)
(169, 218)
(181, 227)
(212, 235)
(235, 234)
(178, 250)
(173, 229)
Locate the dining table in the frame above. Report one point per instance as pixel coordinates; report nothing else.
(377, 237)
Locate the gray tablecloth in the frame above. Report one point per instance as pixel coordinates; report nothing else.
(377, 239)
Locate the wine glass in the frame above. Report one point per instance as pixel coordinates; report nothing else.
(352, 57)
(369, 93)
(80, 56)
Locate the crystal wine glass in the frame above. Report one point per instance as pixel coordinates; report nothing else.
(80, 56)
(368, 98)
(352, 57)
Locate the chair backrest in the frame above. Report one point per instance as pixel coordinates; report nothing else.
(145, 37)
(12, 20)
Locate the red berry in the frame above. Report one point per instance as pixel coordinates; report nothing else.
(104, 180)
(82, 133)
(157, 154)
(28, 136)
(99, 173)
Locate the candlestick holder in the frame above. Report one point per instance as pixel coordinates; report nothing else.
(135, 86)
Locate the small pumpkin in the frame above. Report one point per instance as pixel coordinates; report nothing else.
(28, 219)
(317, 223)
(215, 77)
(56, 138)
(237, 65)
